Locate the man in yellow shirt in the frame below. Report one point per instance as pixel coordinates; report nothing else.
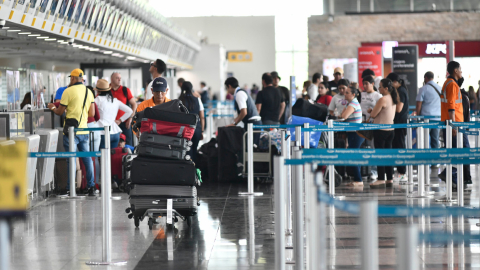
(159, 90)
(77, 101)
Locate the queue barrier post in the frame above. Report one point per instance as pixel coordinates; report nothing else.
(460, 172)
(310, 219)
(279, 185)
(210, 125)
(321, 221)
(448, 142)
(250, 191)
(288, 187)
(4, 244)
(331, 168)
(369, 235)
(409, 167)
(298, 136)
(426, 145)
(306, 137)
(421, 169)
(298, 216)
(72, 164)
(407, 240)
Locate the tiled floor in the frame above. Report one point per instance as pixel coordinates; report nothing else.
(64, 234)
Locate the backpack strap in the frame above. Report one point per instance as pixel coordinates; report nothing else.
(125, 93)
(436, 90)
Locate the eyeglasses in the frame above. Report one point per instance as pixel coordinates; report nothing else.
(152, 64)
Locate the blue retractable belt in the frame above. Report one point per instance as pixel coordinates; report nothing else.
(63, 154)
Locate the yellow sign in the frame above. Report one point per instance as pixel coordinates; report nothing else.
(13, 177)
(239, 56)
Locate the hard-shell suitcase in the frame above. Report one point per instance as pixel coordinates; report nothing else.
(116, 161)
(169, 116)
(184, 206)
(164, 140)
(148, 171)
(146, 149)
(167, 128)
(171, 106)
(164, 190)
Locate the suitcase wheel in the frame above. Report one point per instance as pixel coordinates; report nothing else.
(136, 220)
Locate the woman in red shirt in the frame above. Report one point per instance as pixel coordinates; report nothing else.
(322, 97)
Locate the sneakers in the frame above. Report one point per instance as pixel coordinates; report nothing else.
(91, 191)
(401, 177)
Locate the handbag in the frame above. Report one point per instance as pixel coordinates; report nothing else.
(72, 122)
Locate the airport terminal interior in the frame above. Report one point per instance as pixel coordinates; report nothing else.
(333, 134)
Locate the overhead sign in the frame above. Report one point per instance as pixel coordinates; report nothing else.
(239, 56)
(13, 178)
(437, 49)
(405, 64)
(370, 58)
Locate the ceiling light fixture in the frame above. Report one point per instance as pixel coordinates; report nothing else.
(94, 50)
(107, 52)
(25, 33)
(42, 37)
(34, 35)
(14, 30)
(131, 57)
(50, 39)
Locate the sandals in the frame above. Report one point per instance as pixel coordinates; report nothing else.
(355, 184)
(378, 184)
(389, 183)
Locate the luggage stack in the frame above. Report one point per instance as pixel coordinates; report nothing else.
(163, 170)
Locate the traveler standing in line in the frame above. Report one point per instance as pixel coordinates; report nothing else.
(401, 117)
(157, 68)
(123, 94)
(159, 91)
(337, 76)
(312, 90)
(339, 102)
(79, 101)
(270, 104)
(204, 93)
(352, 113)
(59, 93)
(108, 106)
(384, 113)
(194, 105)
(92, 122)
(452, 109)
(304, 94)
(244, 105)
(472, 97)
(323, 97)
(370, 97)
(428, 103)
(286, 97)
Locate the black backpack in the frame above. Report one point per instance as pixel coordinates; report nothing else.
(466, 105)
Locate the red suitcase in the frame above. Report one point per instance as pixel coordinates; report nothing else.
(167, 128)
(117, 163)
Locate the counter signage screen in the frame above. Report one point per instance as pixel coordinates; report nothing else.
(370, 58)
(53, 7)
(86, 13)
(93, 14)
(43, 6)
(405, 64)
(103, 19)
(81, 4)
(71, 9)
(63, 8)
(98, 17)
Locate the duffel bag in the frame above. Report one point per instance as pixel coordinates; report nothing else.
(167, 128)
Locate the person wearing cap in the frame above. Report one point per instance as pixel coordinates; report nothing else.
(77, 102)
(337, 76)
(159, 91)
(108, 106)
(122, 144)
(157, 68)
(286, 96)
(124, 95)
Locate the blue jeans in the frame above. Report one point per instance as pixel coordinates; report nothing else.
(128, 133)
(114, 139)
(354, 142)
(81, 142)
(434, 134)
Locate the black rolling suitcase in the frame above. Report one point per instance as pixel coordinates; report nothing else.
(163, 140)
(147, 149)
(164, 190)
(148, 171)
(184, 206)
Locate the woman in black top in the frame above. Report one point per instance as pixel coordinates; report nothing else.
(193, 105)
(401, 117)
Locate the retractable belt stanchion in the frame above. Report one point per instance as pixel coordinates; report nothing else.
(4, 244)
(409, 146)
(310, 219)
(460, 171)
(279, 182)
(306, 137)
(288, 187)
(369, 235)
(250, 163)
(421, 171)
(298, 229)
(426, 145)
(448, 142)
(106, 129)
(331, 168)
(407, 239)
(322, 225)
(298, 136)
(72, 147)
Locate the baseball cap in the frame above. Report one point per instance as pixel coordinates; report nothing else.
(338, 70)
(159, 85)
(123, 137)
(76, 73)
(274, 74)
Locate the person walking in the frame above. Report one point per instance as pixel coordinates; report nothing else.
(270, 104)
(194, 105)
(157, 68)
(452, 109)
(384, 113)
(124, 95)
(352, 113)
(428, 103)
(108, 106)
(323, 97)
(79, 101)
(401, 117)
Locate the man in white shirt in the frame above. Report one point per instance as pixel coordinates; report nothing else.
(428, 103)
(157, 68)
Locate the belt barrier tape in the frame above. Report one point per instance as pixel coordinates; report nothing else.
(89, 129)
(441, 237)
(381, 162)
(275, 126)
(221, 115)
(63, 154)
(462, 130)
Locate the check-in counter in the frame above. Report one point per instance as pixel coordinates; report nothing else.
(33, 144)
(12, 125)
(45, 166)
